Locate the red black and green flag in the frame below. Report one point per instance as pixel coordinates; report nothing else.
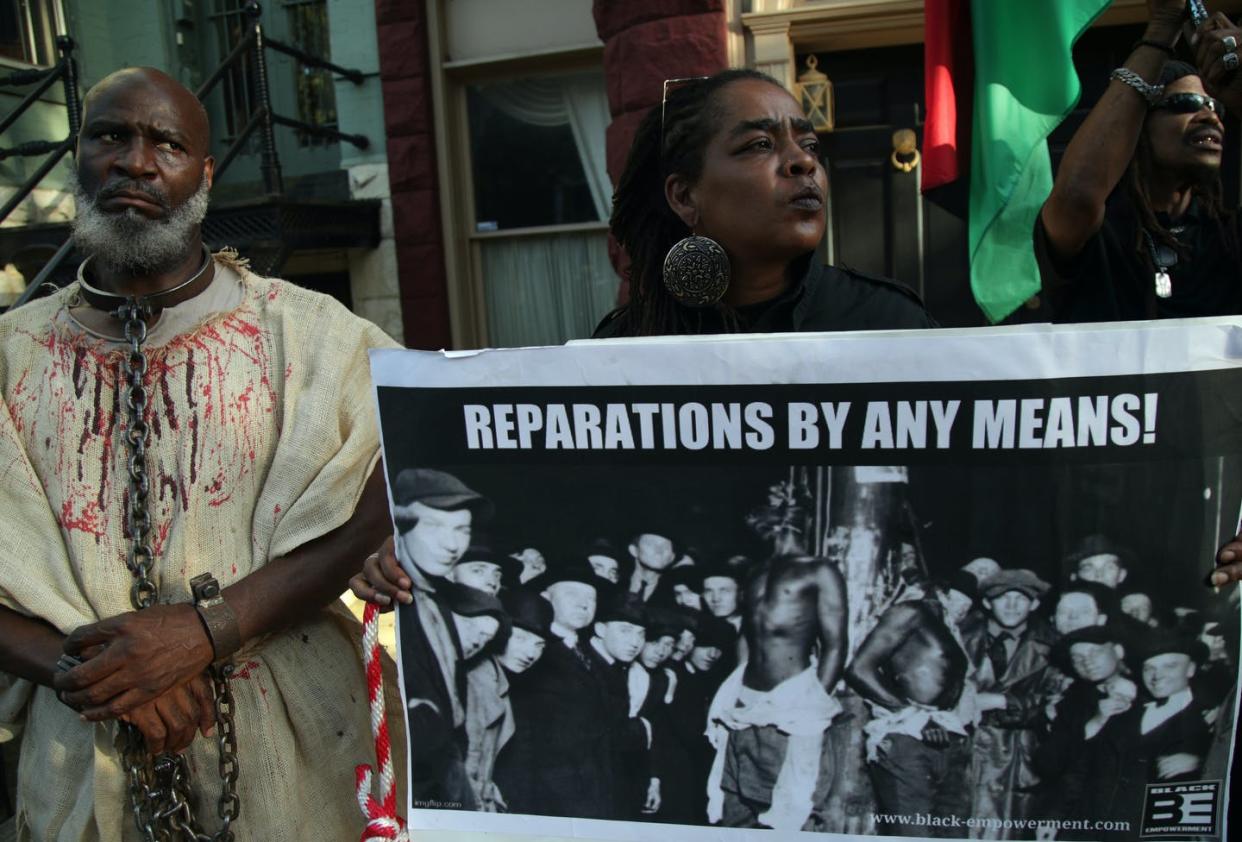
(1008, 67)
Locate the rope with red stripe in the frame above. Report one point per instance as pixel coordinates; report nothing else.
(382, 819)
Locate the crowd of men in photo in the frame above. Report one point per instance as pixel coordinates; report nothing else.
(641, 683)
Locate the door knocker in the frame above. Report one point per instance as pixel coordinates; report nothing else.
(905, 157)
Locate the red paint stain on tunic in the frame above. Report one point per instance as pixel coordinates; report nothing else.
(170, 410)
(209, 433)
(79, 379)
(88, 520)
(159, 539)
(247, 670)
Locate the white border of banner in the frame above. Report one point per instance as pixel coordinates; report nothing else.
(946, 355)
(862, 357)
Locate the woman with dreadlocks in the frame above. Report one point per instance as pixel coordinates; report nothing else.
(720, 209)
(1134, 227)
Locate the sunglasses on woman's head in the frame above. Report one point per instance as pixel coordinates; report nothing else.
(671, 85)
(1190, 103)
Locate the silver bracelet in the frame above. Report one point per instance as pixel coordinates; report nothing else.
(1151, 93)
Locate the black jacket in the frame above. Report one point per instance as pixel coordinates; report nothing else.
(556, 764)
(823, 298)
(438, 773)
(1109, 773)
(1111, 279)
(626, 751)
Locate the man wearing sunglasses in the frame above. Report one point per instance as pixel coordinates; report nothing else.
(1135, 227)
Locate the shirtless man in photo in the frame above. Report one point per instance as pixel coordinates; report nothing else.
(912, 669)
(768, 721)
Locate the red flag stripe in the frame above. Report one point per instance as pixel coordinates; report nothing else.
(947, 71)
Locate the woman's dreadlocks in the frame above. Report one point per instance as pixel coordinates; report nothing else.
(643, 223)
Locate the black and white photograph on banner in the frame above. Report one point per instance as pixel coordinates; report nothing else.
(932, 607)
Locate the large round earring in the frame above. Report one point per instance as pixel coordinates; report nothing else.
(696, 271)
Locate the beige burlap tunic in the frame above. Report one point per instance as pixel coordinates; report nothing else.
(262, 435)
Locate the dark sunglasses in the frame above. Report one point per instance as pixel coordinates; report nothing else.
(1190, 103)
(671, 85)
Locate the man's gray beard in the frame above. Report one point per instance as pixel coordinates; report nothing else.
(134, 244)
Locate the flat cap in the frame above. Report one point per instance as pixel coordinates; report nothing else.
(717, 570)
(528, 611)
(472, 602)
(482, 552)
(668, 619)
(713, 631)
(571, 570)
(1097, 544)
(1165, 642)
(439, 490)
(661, 525)
(1060, 653)
(690, 575)
(604, 547)
(964, 583)
(623, 607)
(1105, 598)
(1021, 579)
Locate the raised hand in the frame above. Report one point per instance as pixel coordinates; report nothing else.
(1215, 46)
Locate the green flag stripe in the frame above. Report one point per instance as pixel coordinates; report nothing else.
(1025, 85)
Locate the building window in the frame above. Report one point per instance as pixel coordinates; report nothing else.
(28, 30)
(542, 198)
(239, 86)
(537, 148)
(308, 31)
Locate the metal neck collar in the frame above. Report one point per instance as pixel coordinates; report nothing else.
(156, 301)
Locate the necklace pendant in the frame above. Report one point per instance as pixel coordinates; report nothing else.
(1164, 284)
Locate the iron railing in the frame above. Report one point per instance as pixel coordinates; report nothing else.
(66, 72)
(262, 119)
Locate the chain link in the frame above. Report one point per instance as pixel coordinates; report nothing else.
(159, 787)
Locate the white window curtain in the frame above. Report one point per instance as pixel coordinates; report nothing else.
(545, 290)
(580, 101)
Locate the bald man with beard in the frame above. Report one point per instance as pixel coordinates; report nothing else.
(254, 455)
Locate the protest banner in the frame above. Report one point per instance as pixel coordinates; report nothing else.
(940, 584)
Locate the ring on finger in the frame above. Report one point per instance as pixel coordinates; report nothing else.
(1230, 43)
(1230, 61)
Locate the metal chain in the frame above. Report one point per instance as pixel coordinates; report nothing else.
(159, 787)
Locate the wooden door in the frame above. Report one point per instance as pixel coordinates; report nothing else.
(877, 220)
